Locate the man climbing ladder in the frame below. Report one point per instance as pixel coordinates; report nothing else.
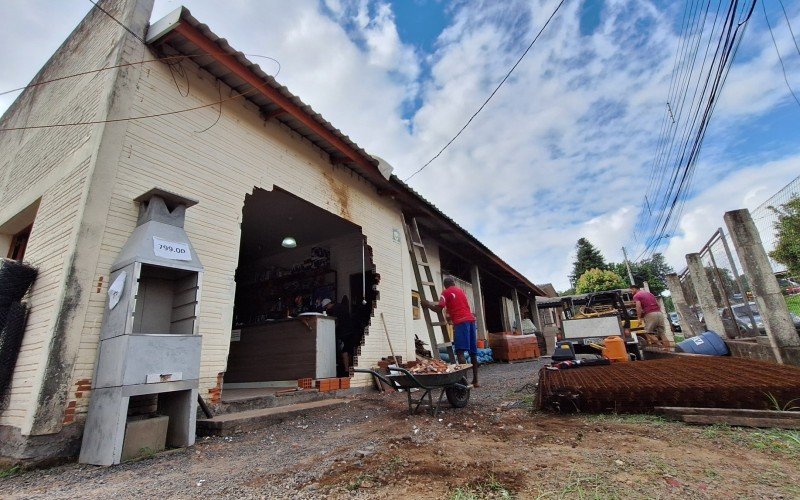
(466, 330)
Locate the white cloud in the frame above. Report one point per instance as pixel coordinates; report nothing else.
(562, 151)
(42, 25)
(744, 188)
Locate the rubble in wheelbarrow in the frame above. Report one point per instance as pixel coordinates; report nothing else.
(426, 366)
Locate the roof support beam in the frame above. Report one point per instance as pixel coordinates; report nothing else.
(240, 70)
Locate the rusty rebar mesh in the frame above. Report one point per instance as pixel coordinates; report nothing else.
(692, 381)
(12, 328)
(15, 279)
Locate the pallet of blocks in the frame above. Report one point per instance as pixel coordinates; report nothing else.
(507, 346)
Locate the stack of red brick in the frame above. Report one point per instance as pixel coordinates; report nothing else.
(509, 347)
(333, 384)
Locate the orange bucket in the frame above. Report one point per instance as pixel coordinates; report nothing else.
(615, 350)
(481, 344)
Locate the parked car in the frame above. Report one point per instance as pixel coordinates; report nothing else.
(675, 321)
(744, 323)
(788, 286)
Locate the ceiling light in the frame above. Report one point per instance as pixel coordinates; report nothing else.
(289, 242)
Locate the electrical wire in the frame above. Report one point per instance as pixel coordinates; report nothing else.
(789, 24)
(219, 114)
(677, 95)
(664, 197)
(558, 7)
(686, 134)
(676, 195)
(680, 96)
(104, 11)
(130, 118)
(686, 176)
(165, 60)
(780, 59)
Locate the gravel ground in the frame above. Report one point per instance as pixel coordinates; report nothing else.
(496, 447)
(270, 463)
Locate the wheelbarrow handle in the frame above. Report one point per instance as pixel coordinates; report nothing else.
(391, 382)
(385, 380)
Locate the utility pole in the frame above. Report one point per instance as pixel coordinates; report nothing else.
(628, 265)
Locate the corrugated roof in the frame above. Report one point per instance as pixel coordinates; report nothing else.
(523, 281)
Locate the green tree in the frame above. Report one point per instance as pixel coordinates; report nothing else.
(787, 230)
(597, 280)
(588, 257)
(652, 270)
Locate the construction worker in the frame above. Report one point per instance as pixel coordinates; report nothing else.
(464, 324)
(647, 309)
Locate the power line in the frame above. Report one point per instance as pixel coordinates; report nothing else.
(680, 195)
(794, 39)
(104, 11)
(676, 195)
(165, 60)
(130, 118)
(680, 85)
(663, 158)
(780, 59)
(490, 95)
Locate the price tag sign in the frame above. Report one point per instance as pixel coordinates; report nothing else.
(116, 289)
(171, 250)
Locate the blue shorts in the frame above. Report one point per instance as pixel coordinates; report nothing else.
(466, 337)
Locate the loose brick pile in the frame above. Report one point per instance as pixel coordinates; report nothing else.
(509, 347)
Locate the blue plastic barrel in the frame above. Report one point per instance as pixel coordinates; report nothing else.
(708, 343)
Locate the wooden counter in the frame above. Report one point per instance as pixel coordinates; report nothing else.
(291, 349)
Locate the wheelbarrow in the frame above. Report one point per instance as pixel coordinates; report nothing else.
(453, 385)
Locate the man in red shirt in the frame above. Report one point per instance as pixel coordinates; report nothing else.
(647, 309)
(466, 330)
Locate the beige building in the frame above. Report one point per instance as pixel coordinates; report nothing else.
(178, 109)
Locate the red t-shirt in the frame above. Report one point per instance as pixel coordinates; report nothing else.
(455, 301)
(648, 300)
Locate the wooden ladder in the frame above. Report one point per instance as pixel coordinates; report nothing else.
(419, 259)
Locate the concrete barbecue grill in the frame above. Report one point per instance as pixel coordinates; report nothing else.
(149, 342)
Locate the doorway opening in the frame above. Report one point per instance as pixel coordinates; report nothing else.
(298, 307)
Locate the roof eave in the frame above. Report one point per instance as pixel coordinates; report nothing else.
(180, 22)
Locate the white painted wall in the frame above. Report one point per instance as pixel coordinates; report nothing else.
(219, 167)
(54, 165)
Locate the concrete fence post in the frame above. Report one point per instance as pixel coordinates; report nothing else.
(755, 264)
(690, 325)
(705, 294)
(667, 323)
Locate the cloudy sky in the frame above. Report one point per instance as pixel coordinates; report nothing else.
(563, 150)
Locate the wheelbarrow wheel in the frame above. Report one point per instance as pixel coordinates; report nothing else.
(458, 398)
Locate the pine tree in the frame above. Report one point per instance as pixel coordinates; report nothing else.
(589, 257)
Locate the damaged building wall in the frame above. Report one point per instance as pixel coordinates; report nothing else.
(55, 165)
(219, 166)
